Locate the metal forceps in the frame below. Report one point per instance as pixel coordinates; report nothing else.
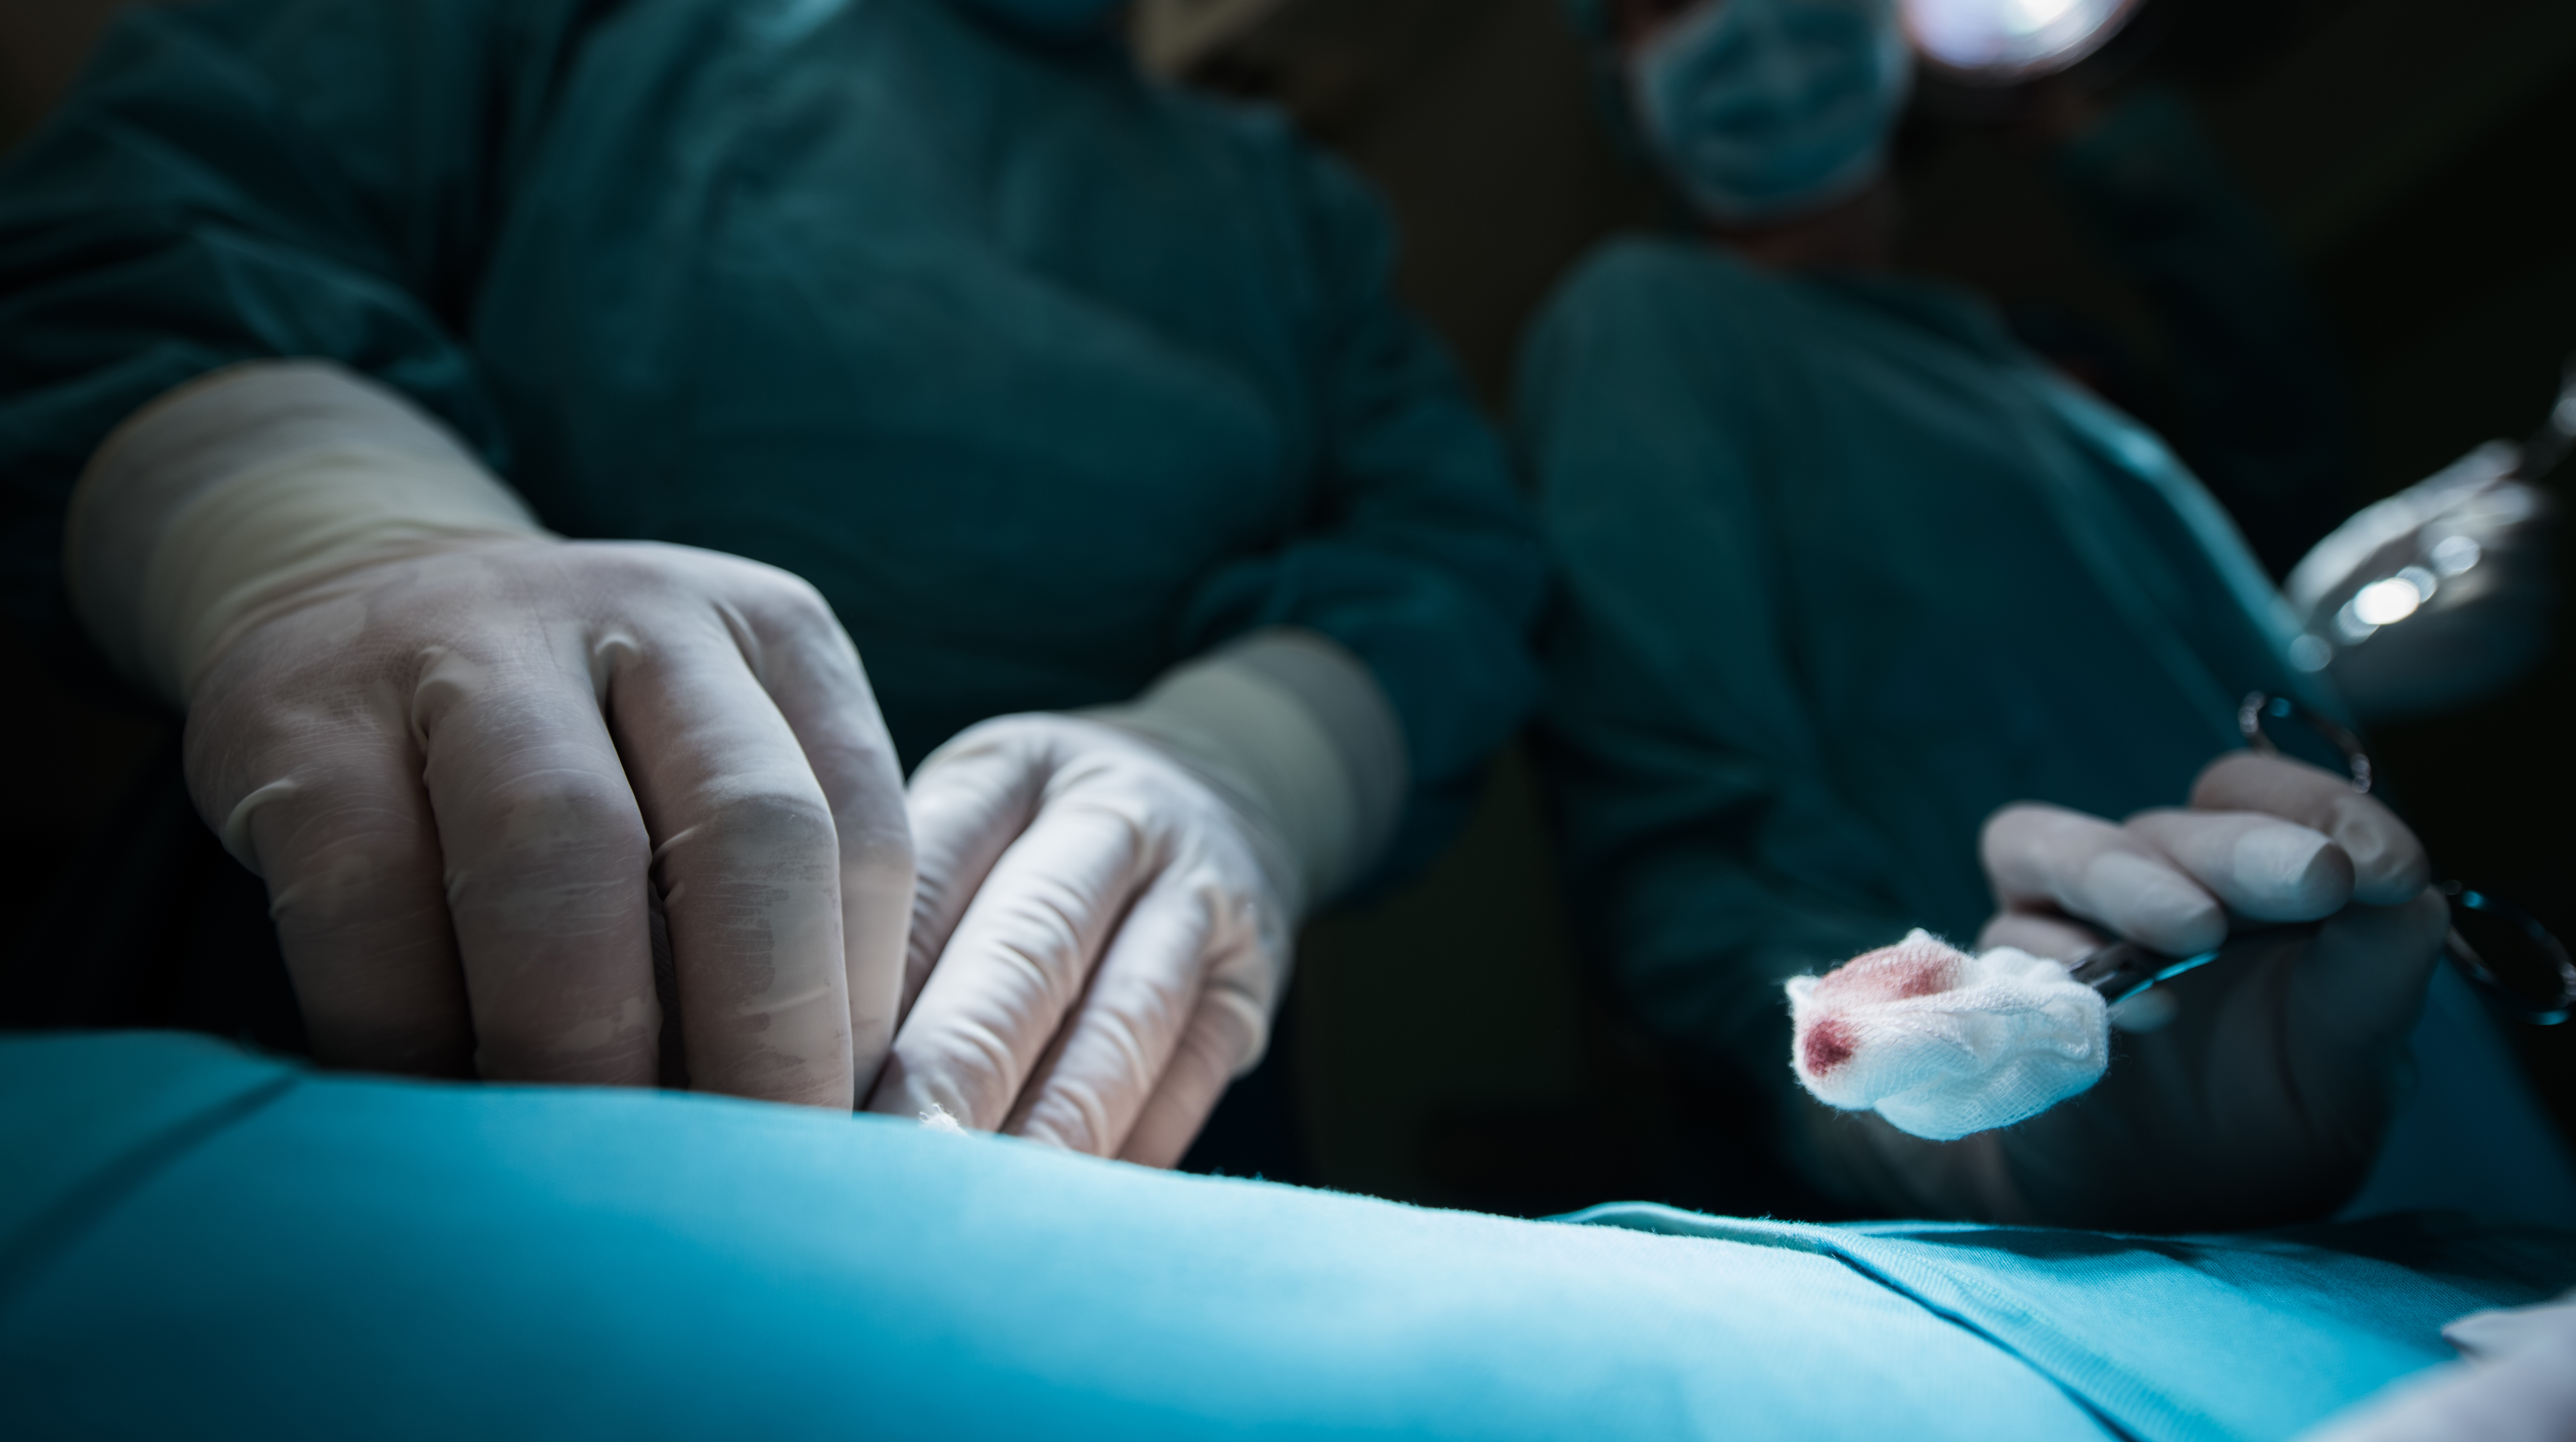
(2500, 948)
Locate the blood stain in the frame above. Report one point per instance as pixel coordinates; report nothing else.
(1828, 1045)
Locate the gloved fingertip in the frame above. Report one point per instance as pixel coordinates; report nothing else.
(2145, 1013)
(2290, 873)
(2393, 876)
(2176, 920)
(2049, 936)
(901, 1092)
(2233, 782)
(2186, 933)
(1047, 1136)
(2150, 902)
(1075, 1116)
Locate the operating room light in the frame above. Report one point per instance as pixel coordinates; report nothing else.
(2029, 17)
(1999, 41)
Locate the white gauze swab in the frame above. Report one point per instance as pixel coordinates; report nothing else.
(1942, 1043)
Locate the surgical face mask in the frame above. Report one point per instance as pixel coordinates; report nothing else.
(1763, 109)
(1047, 19)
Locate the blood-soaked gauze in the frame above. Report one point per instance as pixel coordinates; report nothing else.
(1942, 1043)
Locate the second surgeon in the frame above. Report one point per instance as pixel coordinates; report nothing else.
(1870, 619)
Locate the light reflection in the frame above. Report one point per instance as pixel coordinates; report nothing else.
(2005, 40)
(2382, 603)
(2455, 555)
(2029, 17)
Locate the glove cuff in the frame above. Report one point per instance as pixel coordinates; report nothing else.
(242, 487)
(1296, 730)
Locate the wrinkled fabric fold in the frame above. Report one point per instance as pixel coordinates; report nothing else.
(418, 1260)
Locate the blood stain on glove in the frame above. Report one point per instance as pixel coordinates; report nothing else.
(1942, 1043)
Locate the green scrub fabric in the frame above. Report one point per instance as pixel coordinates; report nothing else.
(1844, 569)
(194, 1241)
(1047, 375)
(2258, 405)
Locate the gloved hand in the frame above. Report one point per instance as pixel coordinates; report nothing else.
(1097, 943)
(2264, 1093)
(2515, 1382)
(1107, 904)
(458, 748)
(2436, 596)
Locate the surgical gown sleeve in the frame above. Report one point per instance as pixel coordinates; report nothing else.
(1416, 551)
(1707, 856)
(2266, 425)
(289, 178)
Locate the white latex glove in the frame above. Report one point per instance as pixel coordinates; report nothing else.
(2515, 1382)
(2265, 1091)
(457, 748)
(2435, 596)
(1107, 904)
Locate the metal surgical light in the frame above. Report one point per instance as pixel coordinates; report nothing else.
(1999, 42)
(2390, 562)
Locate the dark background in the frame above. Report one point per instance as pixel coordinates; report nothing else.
(1442, 1045)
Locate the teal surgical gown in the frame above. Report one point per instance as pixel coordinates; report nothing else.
(195, 1242)
(1844, 570)
(1048, 376)
(2257, 402)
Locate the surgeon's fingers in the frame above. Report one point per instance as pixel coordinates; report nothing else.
(2044, 858)
(1121, 1037)
(807, 664)
(327, 805)
(2388, 863)
(749, 862)
(1224, 1035)
(967, 805)
(1014, 967)
(2263, 868)
(2041, 934)
(545, 858)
